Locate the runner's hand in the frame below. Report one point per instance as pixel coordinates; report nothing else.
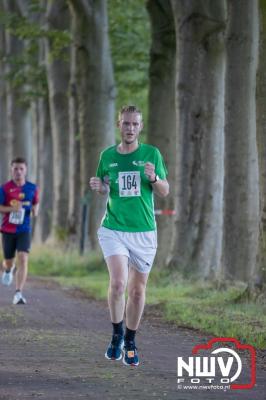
(96, 184)
(16, 206)
(149, 171)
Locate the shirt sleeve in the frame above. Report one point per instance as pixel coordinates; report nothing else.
(100, 169)
(36, 199)
(2, 196)
(160, 167)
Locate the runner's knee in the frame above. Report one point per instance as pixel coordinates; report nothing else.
(117, 287)
(136, 293)
(8, 263)
(23, 257)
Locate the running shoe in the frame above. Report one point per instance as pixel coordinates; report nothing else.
(130, 354)
(19, 299)
(114, 350)
(7, 277)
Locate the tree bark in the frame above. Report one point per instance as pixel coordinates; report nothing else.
(18, 115)
(43, 226)
(241, 192)
(5, 148)
(58, 75)
(96, 93)
(200, 27)
(45, 171)
(74, 211)
(162, 114)
(260, 273)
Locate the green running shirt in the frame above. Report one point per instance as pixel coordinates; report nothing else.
(130, 206)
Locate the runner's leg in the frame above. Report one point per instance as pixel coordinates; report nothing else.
(9, 250)
(8, 264)
(137, 282)
(22, 269)
(118, 274)
(135, 304)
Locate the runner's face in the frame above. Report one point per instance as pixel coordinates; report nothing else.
(130, 126)
(18, 172)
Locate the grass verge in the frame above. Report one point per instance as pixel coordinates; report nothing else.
(191, 304)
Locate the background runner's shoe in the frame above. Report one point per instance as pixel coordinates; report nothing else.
(130, 354)
(7, 277)
(114, 350)
(19, 299)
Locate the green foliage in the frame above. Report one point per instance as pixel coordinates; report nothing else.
(130, 38)
(193, 305)
(129, 30)
(24, 71)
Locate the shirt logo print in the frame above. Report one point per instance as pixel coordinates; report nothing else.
(138, 163)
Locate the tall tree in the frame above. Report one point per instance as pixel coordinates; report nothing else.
(129, 28)
(45, 172)
(74, 210)
(241, 191)
(260, 275)
(29, 18)
(5, 148)
(95, 91)
(200, 26)
(58, 74)
(43, 227)
(18, 115)
(162, 112)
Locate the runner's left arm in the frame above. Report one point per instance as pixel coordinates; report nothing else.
(160, 186)
(35, 210)
(35, 203)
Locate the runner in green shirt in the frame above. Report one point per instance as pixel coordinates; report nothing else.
(129, 173)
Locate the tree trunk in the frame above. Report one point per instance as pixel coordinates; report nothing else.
(260, 273)
(95, 88)
(58, 81)
(45, 171)
(34, 176)
(34, 18)
(18, 115)
(43, 227)
(200, 26)
(74, 210)
(241, 192)
(162, 114)
(5, 148)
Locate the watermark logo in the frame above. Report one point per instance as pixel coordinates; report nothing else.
(218, 365)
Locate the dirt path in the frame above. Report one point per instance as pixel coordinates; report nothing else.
(53, 348)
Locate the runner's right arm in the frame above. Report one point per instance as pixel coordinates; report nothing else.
(8, 209)
(99, 186)
(16, 205)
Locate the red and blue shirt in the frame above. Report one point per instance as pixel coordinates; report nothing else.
(28, 195)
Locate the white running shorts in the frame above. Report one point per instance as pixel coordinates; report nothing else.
(139, 247)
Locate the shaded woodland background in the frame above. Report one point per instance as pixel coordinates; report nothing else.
(197, 69)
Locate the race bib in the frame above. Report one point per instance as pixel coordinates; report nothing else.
(17, 217)
(129, 184)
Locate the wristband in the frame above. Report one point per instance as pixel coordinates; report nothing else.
(156, 179)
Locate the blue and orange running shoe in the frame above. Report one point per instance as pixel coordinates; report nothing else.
(130, 354)
(114, 350)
